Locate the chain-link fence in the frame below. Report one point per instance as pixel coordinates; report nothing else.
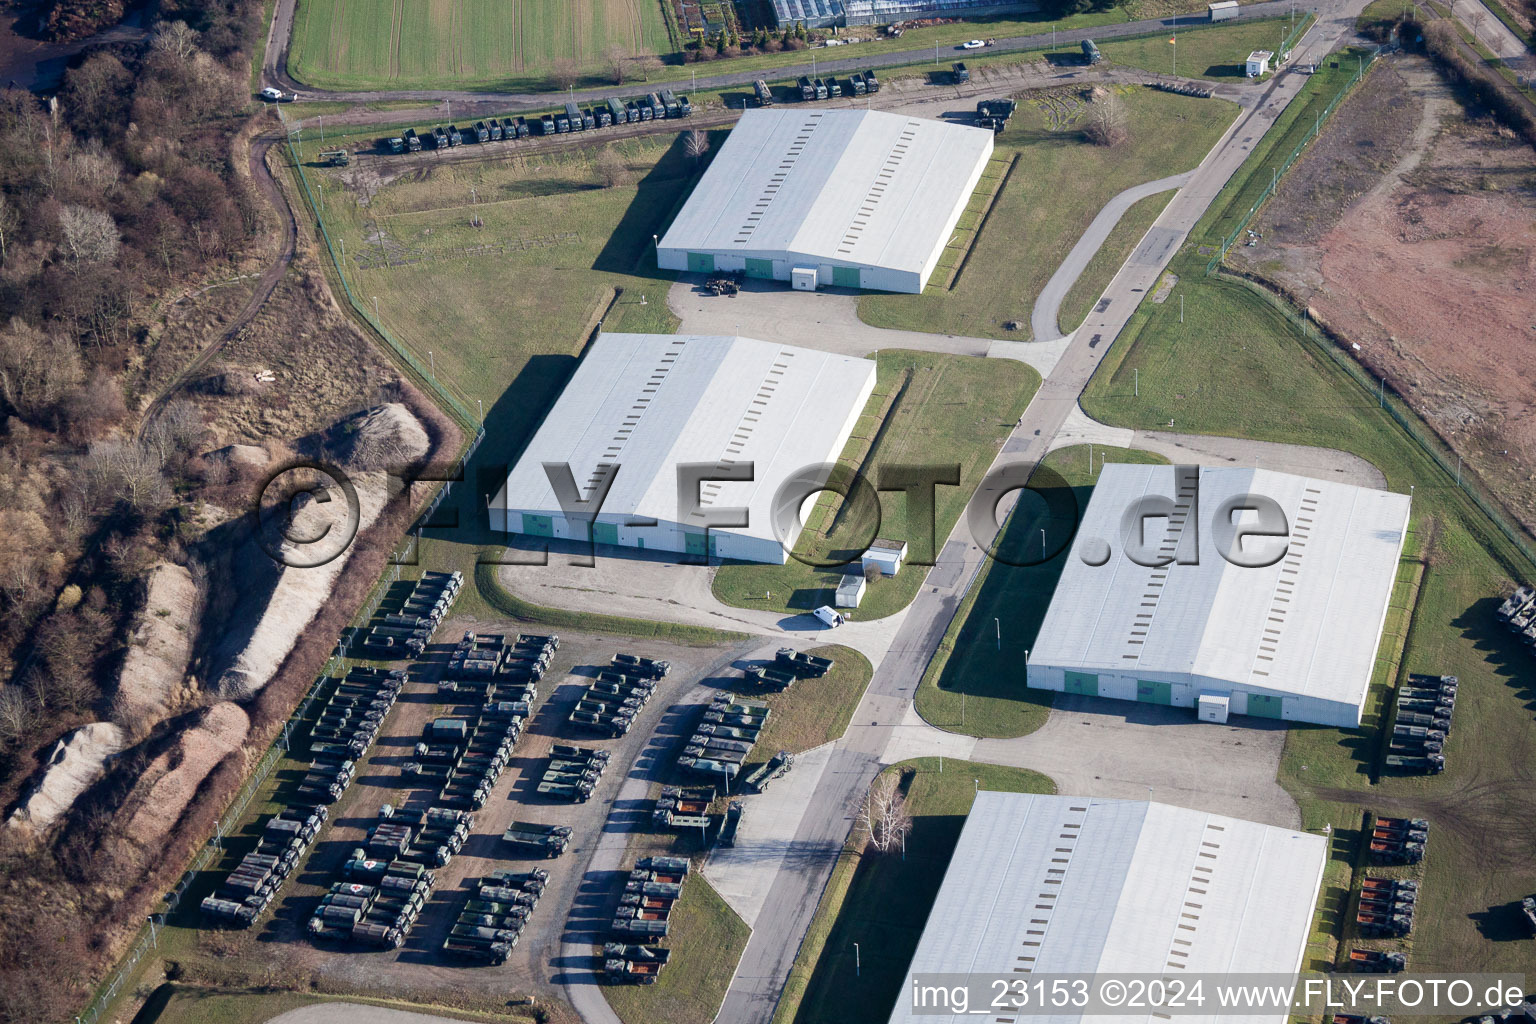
(1455, 468)
(401, 352)
(1363, 64)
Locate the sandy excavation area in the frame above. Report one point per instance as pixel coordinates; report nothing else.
(1410, 229)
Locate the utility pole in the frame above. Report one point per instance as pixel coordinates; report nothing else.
(1042, 543)
(375, 309)
(997, 623)
(432, 364)
(1136, 381)
(1181, 307)
(856, 964)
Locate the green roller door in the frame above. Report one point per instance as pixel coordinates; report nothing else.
(1083, 682)
(701, 263)
(845, 277)
(1150, 691)
(1261, 705)
(693, 543)
(759, 268)
(605, 533)
(538, 526)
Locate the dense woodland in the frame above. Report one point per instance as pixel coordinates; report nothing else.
(114, 196)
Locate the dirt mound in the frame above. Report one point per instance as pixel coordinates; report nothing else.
(155, 666)
(76, 763)
(171, 780)
(381, 438)
(240, 455)
(386, 436)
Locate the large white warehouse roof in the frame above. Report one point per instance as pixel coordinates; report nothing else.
(1307, 626)
(854, 187)
(1070, 885)
(651, 402)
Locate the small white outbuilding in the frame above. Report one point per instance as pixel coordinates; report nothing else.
(1258, 63)
(885, 555)
(850, 590)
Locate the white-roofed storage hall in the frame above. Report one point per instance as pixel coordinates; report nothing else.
(864, 198)
(1294, 640)
(1054, 885)
(649, 403)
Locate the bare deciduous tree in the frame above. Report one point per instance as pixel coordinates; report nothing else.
(90, 235)
(177, 38)
(9, 220)
(1106, 122)
(885, 818)
(173, 431)
(18, 714)
(696, 144)
(563, 73)
(36, 368)
(616, 60)
(611, 167)
(128, 471)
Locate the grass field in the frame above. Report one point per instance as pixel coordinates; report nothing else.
(706, 941)
(1237, 366)
(1036, 221)
(813, 711)
(975, 682)
(511, 45)
(491, 44)
(193, 1005)
(956, 408)
(1218, 54)
(1122, 241)
(881, 901)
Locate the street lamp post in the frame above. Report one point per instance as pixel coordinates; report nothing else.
(998, 622)
(857, 967)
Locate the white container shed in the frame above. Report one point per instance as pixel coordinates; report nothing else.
(1223, 10)
(885, 555)
(803, 279)
(1258, 63)
(850, 590)
(1213, 707)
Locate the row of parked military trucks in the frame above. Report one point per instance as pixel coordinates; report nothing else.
(644, 914)
(1518, 612)
(346, 727)
(859, 84)
(404, 631)
(492, 918)
(656, 106)
(618, 694)
(1423, 720)
(1386, 907)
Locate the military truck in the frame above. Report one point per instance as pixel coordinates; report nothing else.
(1376, 961)
(763, 93)
(856, 83)
(960, 73)
(482, 132)
(771, 769)
(807, 88)
(550, 840)
(646, 668)
(630, 963)
(807, 666)
(1091, 54)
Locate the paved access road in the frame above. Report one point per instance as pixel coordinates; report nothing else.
(275, 62)
(792, 900)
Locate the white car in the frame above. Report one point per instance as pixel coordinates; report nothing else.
(973, 44)
(276, 95)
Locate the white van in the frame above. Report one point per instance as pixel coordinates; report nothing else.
(829, 615)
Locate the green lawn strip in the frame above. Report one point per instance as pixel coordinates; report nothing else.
(1035, 222)
(1117, 248)
(975, 682)
(812, 711)
(953, 408)
(499, 312)
(348, 49)
(503, 602)
(1219, 53)
(706, 940)
(1237, 366)
(187, 1004)
(881, 901)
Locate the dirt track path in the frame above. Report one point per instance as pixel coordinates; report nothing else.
(265, 284)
